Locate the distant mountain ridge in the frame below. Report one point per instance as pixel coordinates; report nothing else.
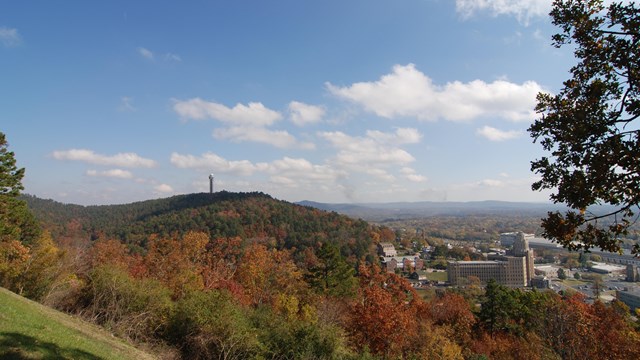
(409, 210)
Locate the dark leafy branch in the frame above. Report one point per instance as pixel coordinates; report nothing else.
(589, 126)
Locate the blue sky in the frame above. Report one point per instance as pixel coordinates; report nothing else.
(332, 101)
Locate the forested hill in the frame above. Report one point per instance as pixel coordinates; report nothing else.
(222, 214)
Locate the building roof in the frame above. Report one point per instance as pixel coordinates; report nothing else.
(608, 267)
(400, 258)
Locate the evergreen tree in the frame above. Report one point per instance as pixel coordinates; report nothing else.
(561, 274)
(10, 175)
(16, 221)
(498, 307)
(332, 275)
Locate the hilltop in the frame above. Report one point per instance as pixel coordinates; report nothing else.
(249, 216)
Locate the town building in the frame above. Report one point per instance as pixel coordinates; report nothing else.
(508, 239)
(413, 262)
(387, 250)
(513, 270)
(602, 268)
(546, 270)
(630, 298)
(540, 282)
(632, 273)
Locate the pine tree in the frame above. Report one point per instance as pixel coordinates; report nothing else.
(332, 275)
(16, 221)
(10, 175)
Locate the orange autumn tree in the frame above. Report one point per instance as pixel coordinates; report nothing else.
(13, 258)
(452, 310)
(384, 313)
(616, 337)
(111, 252)
(221, 261)
(177, 263)
(267, 274)
(576, 330)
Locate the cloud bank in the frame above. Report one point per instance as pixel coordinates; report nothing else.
(130, 160)
(254, 114)
(407, 92)
(113, 173)
(523, 10)
(302, 114)
(494, 134)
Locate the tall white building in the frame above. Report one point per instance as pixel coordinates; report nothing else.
(508, 239)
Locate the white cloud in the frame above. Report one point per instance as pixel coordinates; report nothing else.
(401, 136)
(380, 174)
(168, 57)
(247, 122)
(492, 183)
(494, 134)
(302, 114)
(255, 114)
(284, 171)
(411, 175)
(146, 53)
(277, 138)
(163, 189)
(121, 159)
(172, 57)
(126, 104)
(301, 169)
(212, 162)
(365, 151)
(407, 92)
(10, 37)
(113, 173)
(283, 181)
(523, 10)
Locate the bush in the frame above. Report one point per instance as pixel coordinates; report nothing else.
(210, 325)
(296, 338)
(136, 309)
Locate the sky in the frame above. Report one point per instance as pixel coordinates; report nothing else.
(335, 101)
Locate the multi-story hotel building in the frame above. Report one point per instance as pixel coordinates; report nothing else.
(514, 270)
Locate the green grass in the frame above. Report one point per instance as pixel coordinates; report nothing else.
(436, 276)
(574, 282)
(29, 330)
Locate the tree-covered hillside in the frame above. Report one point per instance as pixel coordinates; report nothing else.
(250, 216)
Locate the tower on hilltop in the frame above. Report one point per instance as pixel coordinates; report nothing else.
(210, 183)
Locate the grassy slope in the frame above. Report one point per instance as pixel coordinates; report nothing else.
(29, 330)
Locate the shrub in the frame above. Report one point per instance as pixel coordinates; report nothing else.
(136, 309)
(210, 325)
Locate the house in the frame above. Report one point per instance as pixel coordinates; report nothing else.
(387, 250)
(403, 263)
